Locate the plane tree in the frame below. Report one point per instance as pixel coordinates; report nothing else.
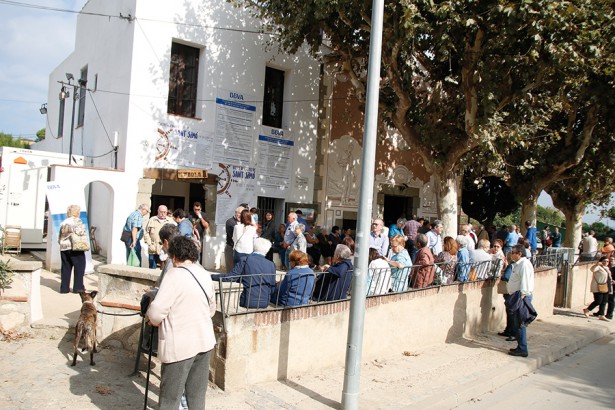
(453, 73)
(592, 181)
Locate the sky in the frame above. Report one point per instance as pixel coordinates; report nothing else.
(34, 42)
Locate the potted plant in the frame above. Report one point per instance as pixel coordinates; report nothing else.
(6, 275)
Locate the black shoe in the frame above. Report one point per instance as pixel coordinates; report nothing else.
(595, 314)
(503, 334)
(609, 317)
(512, 349)
(511, 339)
(517, 353)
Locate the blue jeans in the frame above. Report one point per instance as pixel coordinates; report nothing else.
(286, 258)
(521, 334)
(153, 261)
(137, 250)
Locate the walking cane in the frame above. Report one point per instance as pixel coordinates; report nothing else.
(149, 365)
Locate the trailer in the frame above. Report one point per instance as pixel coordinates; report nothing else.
(24, 174)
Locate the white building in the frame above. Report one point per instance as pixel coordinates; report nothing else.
(176, 86)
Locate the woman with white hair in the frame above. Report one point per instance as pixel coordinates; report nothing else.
(73, 244)
(335, 282)
(299, 244)
(463, 259)
(257, 275)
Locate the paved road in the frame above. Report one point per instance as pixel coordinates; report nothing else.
(584, 379)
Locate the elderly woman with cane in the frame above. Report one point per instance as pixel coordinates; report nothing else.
(182, 310)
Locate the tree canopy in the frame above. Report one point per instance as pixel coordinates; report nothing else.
(455, 75)
(7, 140)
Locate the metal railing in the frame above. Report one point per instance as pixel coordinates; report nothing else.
(249, 293)
(244, 293)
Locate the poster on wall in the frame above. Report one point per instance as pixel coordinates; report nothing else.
(236, 185)
(274, 161)
(234, 133)
(178, 145)
(60, 197)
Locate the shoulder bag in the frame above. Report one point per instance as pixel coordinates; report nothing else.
(199, 283)
(78, 238)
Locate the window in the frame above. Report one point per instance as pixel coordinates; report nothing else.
(183, 78)
(273, 100)
(83, 80)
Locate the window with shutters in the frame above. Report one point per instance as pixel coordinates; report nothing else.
(183, 78)
(273, 100)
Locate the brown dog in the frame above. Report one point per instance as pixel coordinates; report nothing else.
(86, 326)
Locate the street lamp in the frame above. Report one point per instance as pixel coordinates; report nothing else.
(64, 93)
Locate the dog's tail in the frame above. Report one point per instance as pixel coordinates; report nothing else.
(85, 332)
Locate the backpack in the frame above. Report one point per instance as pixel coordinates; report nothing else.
(78, 237)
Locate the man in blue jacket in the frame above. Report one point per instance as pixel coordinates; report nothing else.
(530, 235)
(257, 275)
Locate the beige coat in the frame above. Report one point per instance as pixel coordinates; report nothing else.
(600, 275)
(183, 315)
(152, 234)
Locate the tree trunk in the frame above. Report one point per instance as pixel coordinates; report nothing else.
(447, 189)
(528, 211)
(574, 224)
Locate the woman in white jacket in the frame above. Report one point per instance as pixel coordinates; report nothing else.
(182, 310)
(244, 234)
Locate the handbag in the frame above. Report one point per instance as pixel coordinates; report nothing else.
(78, 238)
(603, 288)
(502, 287)
(126, 236)
(133, 260)
(473, 274)
(79, 242)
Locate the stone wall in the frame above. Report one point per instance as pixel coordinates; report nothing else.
(20, 303)
(120, 289)
(578, 289)
(279, 343)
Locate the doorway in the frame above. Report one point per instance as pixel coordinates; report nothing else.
(396, 207)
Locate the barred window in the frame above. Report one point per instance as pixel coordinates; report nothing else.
(183, 79)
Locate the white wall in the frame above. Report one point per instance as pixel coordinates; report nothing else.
(131, 61)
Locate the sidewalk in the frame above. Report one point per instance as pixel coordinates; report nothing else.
(37, 373)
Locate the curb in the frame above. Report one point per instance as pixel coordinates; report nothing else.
(511, 369)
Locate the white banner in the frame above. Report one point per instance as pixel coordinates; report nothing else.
(179, 145)
(274, 161)
(235, 127)
(236, 185)
(60, 197)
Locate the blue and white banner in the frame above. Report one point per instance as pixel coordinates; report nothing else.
(60, 197)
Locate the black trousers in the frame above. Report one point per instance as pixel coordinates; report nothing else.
(72, 260)
(600, 300)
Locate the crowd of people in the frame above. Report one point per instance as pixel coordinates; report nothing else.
(410, 254)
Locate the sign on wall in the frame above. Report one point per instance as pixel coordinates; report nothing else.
(181, 145)
(236, 185)
(234, 133)
(274, 161)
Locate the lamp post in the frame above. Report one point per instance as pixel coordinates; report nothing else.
(72, 124)
(64, 94)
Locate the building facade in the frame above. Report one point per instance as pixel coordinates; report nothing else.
(198, 104)
(193, 102)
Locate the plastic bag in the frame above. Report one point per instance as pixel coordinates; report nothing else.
(133, 260)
